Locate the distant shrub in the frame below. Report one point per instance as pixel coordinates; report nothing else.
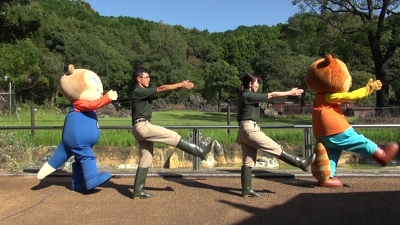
(13, 151)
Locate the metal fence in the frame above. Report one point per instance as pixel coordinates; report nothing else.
(307, 132)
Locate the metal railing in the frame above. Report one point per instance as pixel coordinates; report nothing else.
(307, 132)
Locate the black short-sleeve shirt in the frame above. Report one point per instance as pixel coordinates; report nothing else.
(249, 105)
(141, 102)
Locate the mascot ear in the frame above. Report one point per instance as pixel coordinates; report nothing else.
(71, 69)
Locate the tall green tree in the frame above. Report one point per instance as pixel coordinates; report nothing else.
(201, 47)
(51, 69)
(239, 50)
(308, 35)
(19, 64)
(378, 20)
(295, 71)
(90, 52)
(270, 64)
(18, 20)
(221, 81)
(281, 69)
(394, 70)
(167, 61)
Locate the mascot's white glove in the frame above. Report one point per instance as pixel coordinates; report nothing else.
(112, 95)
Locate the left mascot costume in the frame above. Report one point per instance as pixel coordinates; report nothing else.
(81, 131)
(330, 79)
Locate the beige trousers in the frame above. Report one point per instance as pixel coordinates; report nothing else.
(146, 134)
(251, 138)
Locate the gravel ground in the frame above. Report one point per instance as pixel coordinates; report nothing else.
(184, 197)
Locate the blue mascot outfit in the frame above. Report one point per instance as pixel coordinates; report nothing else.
(81, 130)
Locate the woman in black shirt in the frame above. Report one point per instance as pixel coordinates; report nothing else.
(251, 138)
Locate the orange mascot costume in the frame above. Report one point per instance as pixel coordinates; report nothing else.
(330, 79)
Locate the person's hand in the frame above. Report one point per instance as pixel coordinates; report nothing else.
(187, 84)
(373, 85)
(112, 95)
(296, 91)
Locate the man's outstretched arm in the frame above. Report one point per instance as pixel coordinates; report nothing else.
(170, 87)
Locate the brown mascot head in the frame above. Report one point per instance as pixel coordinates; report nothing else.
(81, 84)
(328, 75)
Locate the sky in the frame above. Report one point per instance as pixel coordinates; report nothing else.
(213, 15)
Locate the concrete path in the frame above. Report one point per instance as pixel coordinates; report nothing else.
(201, 199)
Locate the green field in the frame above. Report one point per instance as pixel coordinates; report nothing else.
(123, 137)
(17, 146)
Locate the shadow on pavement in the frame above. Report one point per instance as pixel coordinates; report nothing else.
(259, 173)
(47, 183)
(323, 208)
(127, 190)
(196, 183)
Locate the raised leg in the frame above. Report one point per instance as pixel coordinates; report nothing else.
(194, 149)
(60, 156)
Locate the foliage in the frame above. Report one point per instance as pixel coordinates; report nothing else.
(19, 62)
(18, 20)
(40, 38)
(14, 151)
(375, 23)
(281, 69)
(222, 80)
(359, 80)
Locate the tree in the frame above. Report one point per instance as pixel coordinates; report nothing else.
(52, 68)
(20, 63)
(167, 61)
(295, 71)
(308, 35)
(201, 47)
(90, 52)
(18, 20)
(239, 50)
(281, 69)
(359, 80)
(378, 20)
(394, 70)
(270, 64)
(222, 81)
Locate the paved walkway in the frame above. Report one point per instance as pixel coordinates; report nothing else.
(197, 198)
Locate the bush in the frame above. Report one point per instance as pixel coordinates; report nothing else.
(13, 151)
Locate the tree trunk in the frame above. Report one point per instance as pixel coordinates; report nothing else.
(382, 96)
(219, 101)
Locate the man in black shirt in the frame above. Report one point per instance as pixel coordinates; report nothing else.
(146, 133)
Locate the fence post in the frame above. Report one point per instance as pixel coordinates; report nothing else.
(196, 140)
(308, 145)
(32, 120)
(10, 96)
(228, 117)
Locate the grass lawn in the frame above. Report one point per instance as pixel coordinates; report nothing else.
(123, 138)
